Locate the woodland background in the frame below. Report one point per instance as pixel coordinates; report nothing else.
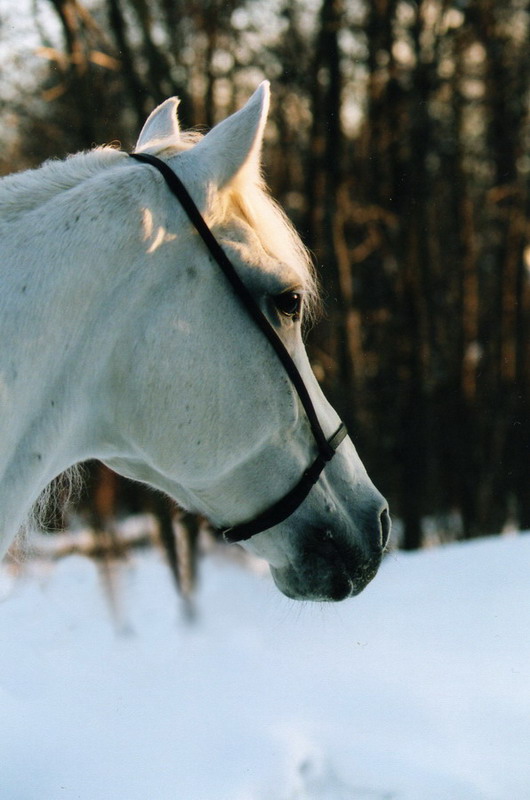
(398, 143)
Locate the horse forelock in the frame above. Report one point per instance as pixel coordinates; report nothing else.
(248, 200)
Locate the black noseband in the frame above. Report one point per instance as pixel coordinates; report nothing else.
(326, 447)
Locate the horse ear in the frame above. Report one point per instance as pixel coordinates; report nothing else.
(161, 128)
(235, 144)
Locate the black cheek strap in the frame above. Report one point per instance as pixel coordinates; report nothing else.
(326, 447)
(289, 503)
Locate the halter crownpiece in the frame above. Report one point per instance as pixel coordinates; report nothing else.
(327, 447)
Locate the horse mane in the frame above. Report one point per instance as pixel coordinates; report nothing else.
(246, 198)
(26, 191)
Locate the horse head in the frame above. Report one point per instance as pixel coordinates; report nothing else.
(220, 426)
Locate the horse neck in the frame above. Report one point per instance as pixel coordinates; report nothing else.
(59, 280)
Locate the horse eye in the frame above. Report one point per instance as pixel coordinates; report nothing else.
(289, 304)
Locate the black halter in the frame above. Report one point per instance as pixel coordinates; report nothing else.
(284, 507)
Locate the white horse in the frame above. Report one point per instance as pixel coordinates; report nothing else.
(121, 340)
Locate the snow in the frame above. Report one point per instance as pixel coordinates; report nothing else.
(418, 689)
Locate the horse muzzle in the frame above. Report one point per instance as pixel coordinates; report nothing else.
(330, 565)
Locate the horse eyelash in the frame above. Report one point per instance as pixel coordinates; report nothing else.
(294, 315)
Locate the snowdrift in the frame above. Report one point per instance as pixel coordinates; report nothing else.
(418, 689)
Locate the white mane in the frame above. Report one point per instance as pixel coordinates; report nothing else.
(26, 191)
(245, 198)
(251, 202)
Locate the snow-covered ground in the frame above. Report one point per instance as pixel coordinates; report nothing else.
(419, 689)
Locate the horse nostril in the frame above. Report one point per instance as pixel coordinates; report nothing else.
(386, 526)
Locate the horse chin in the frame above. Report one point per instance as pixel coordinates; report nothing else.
(324, 579)
(290, 584)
